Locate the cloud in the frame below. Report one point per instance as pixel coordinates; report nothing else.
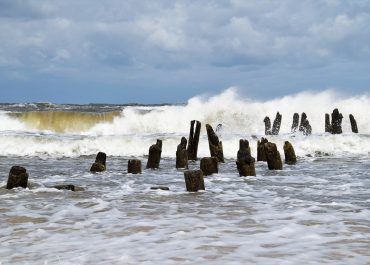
(104, 38)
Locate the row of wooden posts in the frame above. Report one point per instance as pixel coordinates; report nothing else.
(188, 150)
(334, 126)
(266, 151)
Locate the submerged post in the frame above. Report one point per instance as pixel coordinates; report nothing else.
(18, 177)
(193, 140)
(215, 146)
(209, 165)
(134, 166)
(155, 152)
(99, 164)
(182, 154)
(194, 180)
(276, 125)
(273, 157)
(261, 153)
(245, 162)
(353, 123)
(289, 153)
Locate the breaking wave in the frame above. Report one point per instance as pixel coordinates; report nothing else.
(133, 129)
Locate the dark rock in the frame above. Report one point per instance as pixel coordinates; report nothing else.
(267, 122)
(273, 157)
(134, 166)
(100, 163)
(193, 140)
(160, 188)
(353, 123)
(290, 157)
(209, 165)
(327, 123)
(155, 152)
(194, 180)
(336, 122)
(276, 125)
(68, 187)
(215, 146)
(18, 177)
(245, 162)
(182, 154)
(261, 153)
(295, 122)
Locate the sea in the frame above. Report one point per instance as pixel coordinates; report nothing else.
(314, 212)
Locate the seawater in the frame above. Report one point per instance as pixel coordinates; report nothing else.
(314, 212)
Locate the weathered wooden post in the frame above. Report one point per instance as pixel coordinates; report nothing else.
(273, 157)
(327, 123)
(154, 157)
(99, 164)
(289, 153)
(18, 177)
(194, 180)
(182, 154)
(215, 146)
(261, 153)
(193, 140)
(209, 165)
(134, 166)
(245, 162)
(305, 126)
(276, 125)
(336, 122)
(353, 123)
(267, 122)
(295, 122)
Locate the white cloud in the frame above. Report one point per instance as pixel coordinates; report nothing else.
(110, 34)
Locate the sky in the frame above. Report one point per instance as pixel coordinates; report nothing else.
(167, 51)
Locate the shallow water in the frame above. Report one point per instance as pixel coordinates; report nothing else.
(314, 212)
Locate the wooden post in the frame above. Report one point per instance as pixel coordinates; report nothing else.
(327, 123)
(267, 122)
(305, 126)
(336, 122)
(18, 177)
(134, 166)
(155, 152)
(245, 162)
(353, 123)
(215, 146)
(193, 140)
(182, 154)
(273, 157)
(289, 153)
(209, 165)
(194, 180)
(100, 163)
(276, 125)
(261, 153)
(295, 122)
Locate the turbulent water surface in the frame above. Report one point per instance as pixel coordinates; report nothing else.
(314, 212)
